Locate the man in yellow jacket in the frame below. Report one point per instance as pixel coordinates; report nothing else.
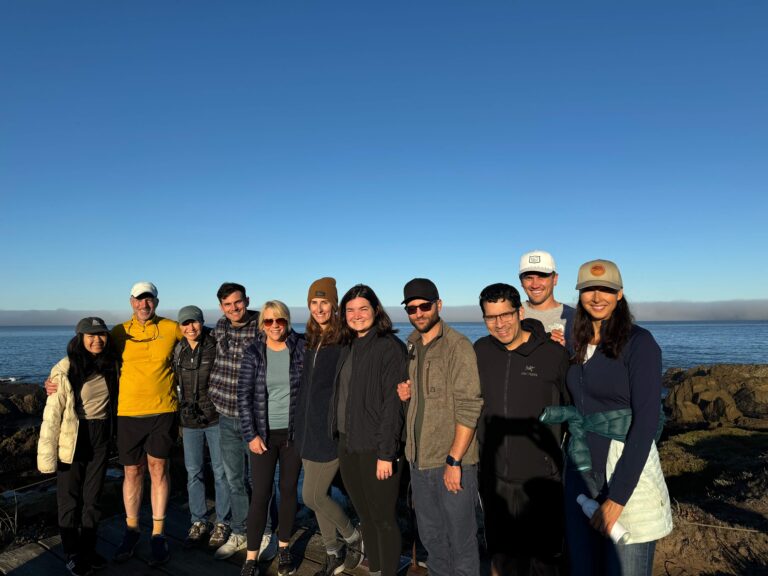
(147, 420)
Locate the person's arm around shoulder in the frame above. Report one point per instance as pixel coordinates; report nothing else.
(48, 444)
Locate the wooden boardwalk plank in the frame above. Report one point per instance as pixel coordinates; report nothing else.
(30, 560)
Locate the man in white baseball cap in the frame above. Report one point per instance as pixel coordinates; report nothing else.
(538, 277)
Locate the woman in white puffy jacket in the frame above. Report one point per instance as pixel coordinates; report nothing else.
(74, 438)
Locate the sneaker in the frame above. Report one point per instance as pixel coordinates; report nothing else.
(197, 534)
(78, 565)
(268, 548)
(97, 561)
(219, 536)
(354, 554)
(127, 546)
(285, 565)
(250, 568)
(160, 552)
(333, 565)
(234, 543)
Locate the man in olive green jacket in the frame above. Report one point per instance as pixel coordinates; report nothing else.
(441, 448)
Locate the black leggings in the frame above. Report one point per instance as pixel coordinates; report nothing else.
(376, 504)
(262, 475)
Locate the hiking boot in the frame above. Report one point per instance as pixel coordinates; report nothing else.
(268, 548)
(285, 565)
(219, 536)
(160, 552)
(250, 568)
(127, 546)
(234, 543)
(354, 553)
(197, 534)
(333, 565)
(78, 565)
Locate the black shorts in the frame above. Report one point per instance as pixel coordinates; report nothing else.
(141, 435)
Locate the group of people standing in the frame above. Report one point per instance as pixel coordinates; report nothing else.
(349, 396)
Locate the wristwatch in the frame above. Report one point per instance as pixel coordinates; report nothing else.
(451, 461)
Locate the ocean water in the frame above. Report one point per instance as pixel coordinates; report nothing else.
(28, 353)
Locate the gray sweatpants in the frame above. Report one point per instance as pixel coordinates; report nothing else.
(330, 517)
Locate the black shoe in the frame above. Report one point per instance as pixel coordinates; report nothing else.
(354, 555)
(250, 568)
(127, 546)
(333, 565)
(285, 565)
(160, 552)
(198, 533)
(77, 565)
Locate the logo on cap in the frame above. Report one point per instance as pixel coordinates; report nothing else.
(95, 322)
(534, 259)
(597, 270)
(319, 293)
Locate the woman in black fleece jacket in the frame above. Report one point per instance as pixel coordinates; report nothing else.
(367, 416)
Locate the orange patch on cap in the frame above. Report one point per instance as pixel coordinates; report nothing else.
(597, 270)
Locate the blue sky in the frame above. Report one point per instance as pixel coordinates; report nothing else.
(271, 143)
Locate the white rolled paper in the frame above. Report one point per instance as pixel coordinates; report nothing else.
(619, 534)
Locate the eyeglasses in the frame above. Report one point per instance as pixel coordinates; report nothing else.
(503, 317)
(425, 307)
(280, 322)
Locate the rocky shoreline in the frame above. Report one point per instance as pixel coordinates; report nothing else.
(714, 452)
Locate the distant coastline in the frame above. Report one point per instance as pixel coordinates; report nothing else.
(717, 311)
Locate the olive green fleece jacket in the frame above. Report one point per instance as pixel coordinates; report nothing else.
(451, 392)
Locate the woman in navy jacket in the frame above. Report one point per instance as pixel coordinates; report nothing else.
(267, 390)
(615, 375)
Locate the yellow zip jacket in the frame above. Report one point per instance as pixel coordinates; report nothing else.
(146, 376)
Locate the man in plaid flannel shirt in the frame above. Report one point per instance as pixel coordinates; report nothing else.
(234, 332)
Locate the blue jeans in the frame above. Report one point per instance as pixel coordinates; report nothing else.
(233, 458)
(447, 522)
(589, 551)
(194, 454)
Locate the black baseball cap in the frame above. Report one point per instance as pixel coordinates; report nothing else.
(420, 288)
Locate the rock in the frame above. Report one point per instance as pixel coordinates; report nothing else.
(718, 394)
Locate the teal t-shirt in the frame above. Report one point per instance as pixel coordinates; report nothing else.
(278, 388)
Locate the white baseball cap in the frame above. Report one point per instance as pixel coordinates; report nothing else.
(144, 288)
(537, 261)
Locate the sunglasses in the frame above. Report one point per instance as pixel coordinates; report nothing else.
(280, 322)
(425, 307)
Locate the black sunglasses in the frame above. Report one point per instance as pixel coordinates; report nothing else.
(425, 307)
(280, 322)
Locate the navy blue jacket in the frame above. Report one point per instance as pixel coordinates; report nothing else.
(631, 381)
(252, 397)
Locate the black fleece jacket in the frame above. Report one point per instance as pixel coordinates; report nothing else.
(517, 385)
(375, 414)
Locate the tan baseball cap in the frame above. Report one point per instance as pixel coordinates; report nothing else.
(599, 273)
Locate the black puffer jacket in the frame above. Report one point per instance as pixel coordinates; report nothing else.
(190, 366)
(252, 397)
(313, 439)
(374, 414)
(517, 385)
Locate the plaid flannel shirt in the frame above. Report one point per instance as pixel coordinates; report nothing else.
(231, 343)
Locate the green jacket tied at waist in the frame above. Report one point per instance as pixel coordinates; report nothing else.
(612, 424)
